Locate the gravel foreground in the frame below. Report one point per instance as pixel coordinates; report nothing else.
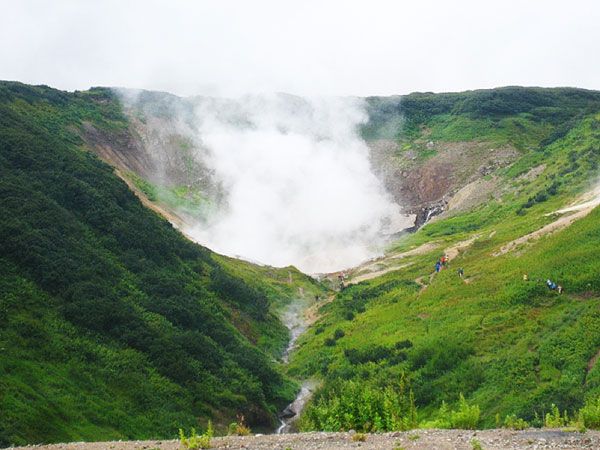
(417, 439)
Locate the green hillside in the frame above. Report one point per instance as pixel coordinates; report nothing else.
(525, 117)
(510, 346)
(112, 324)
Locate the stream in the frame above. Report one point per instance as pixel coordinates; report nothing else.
(293, 318)
(290, 414)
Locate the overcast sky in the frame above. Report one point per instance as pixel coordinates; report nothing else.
(303, 47)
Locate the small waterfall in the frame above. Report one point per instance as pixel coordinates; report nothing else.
(292, 411)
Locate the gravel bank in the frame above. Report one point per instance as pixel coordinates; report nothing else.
(418, 439)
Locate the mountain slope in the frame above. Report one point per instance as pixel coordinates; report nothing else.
(427, 147)
(509, 345)
(113, 325)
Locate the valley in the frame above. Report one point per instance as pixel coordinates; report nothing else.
(148, 332)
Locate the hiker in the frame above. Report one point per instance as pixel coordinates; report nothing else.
(438, 266)
(444, 261)
(551, 284)
(560, 289)
(461, 272)
(525, 277)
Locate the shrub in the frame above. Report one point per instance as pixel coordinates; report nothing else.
(370, 353)
(354, 405)
(515, 423)
(239, 428)
(590, 414)
(466, 417)
(338, 334)
(553, 419)
(406, 343)
(359, 437)
(195, 441)
(476, 445)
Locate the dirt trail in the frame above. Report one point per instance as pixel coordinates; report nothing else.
(410, 440)
(312, 314)
(452, 252)
(378, 273)
(590, 199)
(376, 268)
(559, 224)
(419, 281)
(420, 250)
(424, 286)
(584, 205)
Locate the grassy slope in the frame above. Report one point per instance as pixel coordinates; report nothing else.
(112, 325)
(513, 347)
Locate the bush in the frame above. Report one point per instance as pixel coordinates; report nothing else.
(515, 423)
(476, 445)
(466, 417)
(406, 343)
(354, 405)
(239, 428)
(195, 442)
(590, 414)
(330, 342)
(553, 419)
(359, 437)
(338, 334)
(371, 353)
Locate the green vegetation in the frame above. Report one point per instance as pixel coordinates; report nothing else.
(195, 441)
(350, 406)
(489, 345)
(239, 428)
(185, 200)
(476, 445)
(554, 419)
(515, 423)
(589, 415)
(524, 117)
(359, 437)
(466, 416)
(112, 324)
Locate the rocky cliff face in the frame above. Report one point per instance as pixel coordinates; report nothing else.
(426, 177)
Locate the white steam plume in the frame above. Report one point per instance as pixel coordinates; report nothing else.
(298, 182)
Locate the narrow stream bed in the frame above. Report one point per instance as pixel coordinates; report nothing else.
(290, 414)
(294, 319)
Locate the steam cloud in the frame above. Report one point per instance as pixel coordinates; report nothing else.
(298, 182)
(289, 178)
